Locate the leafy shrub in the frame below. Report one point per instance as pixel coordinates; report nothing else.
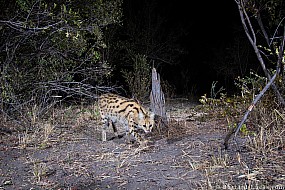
(52, 51)
(233, 107)
(138, 78)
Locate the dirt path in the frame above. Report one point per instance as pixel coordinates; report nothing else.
(76, 159)
(86, 163)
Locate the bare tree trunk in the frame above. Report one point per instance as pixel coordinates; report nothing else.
(157, 100)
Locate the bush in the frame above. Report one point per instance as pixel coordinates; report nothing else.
(138, 78)
(52, 51)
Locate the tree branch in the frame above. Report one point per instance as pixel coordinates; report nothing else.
(242, 12)
(246, 21)
(257, 98)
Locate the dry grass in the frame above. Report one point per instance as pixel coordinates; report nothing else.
(46, 131)
(261, 163)
(67, 146)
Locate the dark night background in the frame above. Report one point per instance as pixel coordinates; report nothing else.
(209, 34)
(192, 44)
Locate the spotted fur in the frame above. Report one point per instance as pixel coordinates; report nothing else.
(128, 112)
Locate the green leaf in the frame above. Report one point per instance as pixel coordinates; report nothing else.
(64, 8)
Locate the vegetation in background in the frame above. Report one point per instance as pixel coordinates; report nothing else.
(143, 41)
(139, 78)
(265, 126)
(258, 111)
(53, 51)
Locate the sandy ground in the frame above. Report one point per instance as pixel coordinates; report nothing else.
(189, 155)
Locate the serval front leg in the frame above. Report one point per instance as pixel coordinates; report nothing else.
(133, 131)
(105, 123)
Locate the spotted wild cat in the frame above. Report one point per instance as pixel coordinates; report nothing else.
(127, 112)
